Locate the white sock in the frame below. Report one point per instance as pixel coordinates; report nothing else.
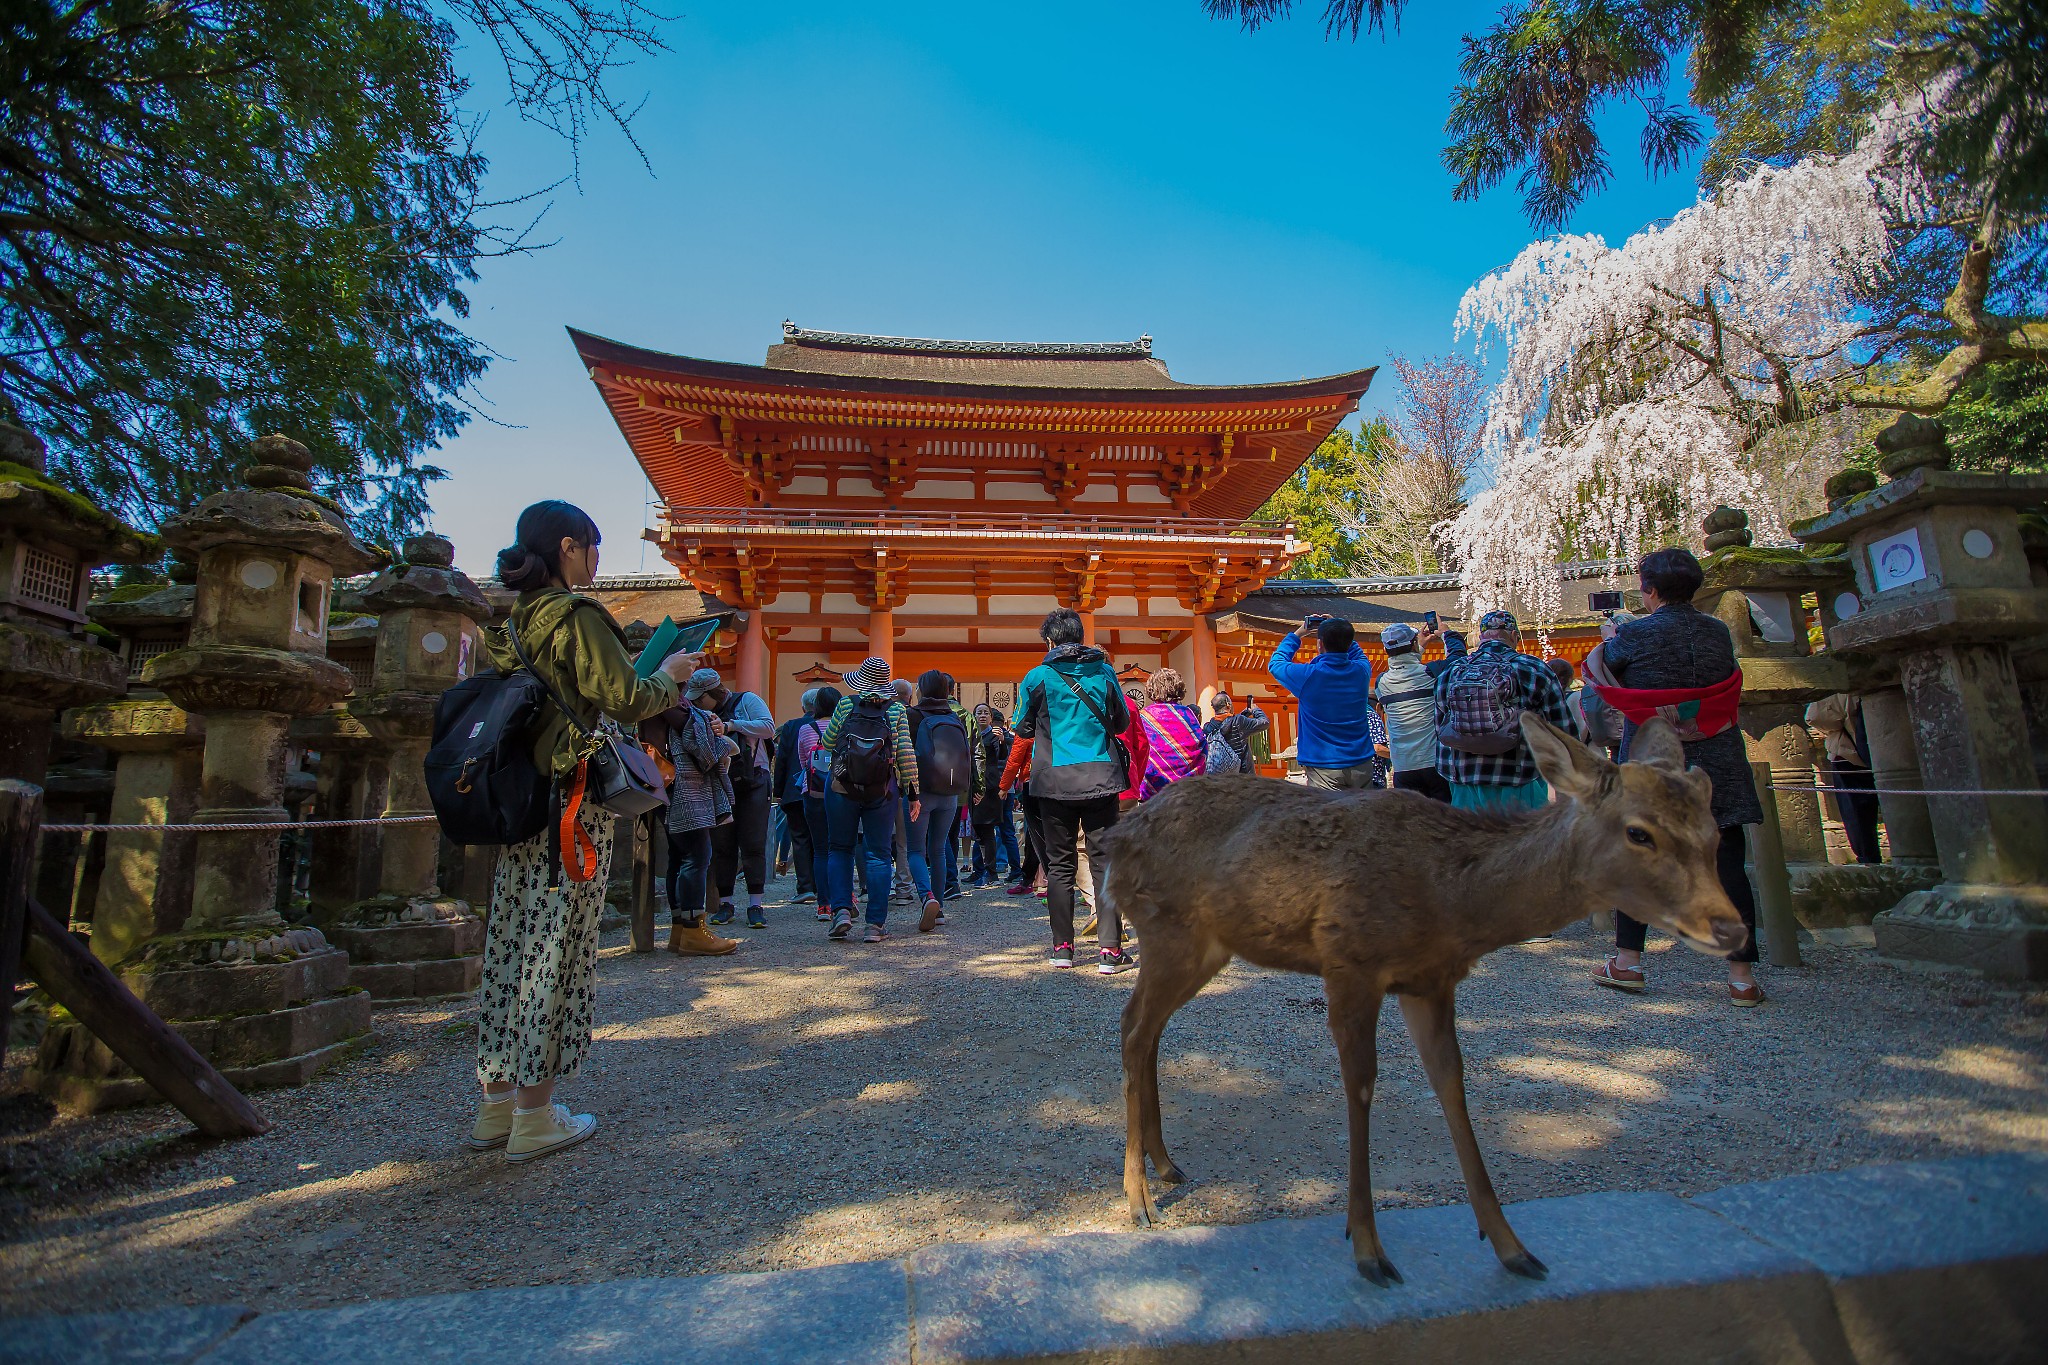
(753, 902)
(535, 1110)
(489, 1098)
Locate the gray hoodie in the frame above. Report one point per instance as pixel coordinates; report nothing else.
(1407, 694)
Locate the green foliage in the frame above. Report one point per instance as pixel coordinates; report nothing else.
(221, 218)
(1998, 422)
(1325, 494)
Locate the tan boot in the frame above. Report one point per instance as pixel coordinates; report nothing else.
(694, 940)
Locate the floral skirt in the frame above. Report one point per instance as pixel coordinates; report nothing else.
(540, 963)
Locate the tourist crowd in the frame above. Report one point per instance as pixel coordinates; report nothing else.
(881, 787)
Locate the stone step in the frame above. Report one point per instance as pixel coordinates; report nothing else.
(1878, 1265)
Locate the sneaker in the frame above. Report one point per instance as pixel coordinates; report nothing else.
(932, 911)
(757, 918)
(952, 893)
(1040, 893)
(723, 914)
(545, 1131)
(1088, 929)
(1062, 955)
(1113, 962)
(824, 911)
(842, 924)
(1617, 977)
(493, 1124)
(941, 921)
(1019, 889)
(978, 882)
(802, 898)
(875, 934)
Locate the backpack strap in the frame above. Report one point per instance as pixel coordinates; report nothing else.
(1100, 715)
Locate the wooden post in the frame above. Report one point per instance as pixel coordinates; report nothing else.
(1774, 919)
(21, 815)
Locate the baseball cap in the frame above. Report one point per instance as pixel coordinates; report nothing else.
(702, 681)
(1498, 620)
(1398, 636)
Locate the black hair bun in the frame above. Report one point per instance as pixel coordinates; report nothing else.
(520, 569)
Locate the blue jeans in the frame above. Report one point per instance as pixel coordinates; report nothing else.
(874, 824)
(1006, 834)
(930, 834)
(821, 849)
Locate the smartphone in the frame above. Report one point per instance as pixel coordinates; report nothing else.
(1429, 620)
(1604, 601)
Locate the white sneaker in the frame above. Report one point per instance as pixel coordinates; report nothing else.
(547, 1130)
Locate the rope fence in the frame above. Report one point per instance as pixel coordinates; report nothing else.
(1908, 791)
(239, 827)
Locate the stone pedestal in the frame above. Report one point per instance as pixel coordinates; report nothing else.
(50, 540)
(1943, 586)
(410, 940)
(146, 887)
(266, 1001)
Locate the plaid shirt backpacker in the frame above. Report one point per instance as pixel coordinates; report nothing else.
(1536, 690)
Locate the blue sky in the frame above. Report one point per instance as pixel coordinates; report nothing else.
(1267, 206)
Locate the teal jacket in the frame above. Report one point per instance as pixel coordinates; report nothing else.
(1072, 758)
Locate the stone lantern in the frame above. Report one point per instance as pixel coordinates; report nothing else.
(409, 941)
(1757, 594)
(50, 540)
(267, 1002)
(1942, 584)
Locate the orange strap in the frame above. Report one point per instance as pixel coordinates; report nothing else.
(579, 851)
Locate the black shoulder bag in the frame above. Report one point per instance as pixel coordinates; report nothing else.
(622, 777)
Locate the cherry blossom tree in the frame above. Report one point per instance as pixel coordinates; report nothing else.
(1642, 384)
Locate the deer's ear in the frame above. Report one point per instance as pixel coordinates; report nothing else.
(1656, 744)
(1568, 766)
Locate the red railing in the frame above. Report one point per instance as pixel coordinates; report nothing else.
(682, 520)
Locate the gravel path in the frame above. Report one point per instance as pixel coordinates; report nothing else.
(801, 1103)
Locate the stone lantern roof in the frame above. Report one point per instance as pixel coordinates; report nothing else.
(425, 576)
(29, 501)
(276, 509)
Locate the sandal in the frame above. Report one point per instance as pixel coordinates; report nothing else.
(1612, 974)
(1743, 996)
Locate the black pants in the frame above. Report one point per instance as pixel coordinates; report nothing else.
(689, 873)
(1629, 933)
(1062, 824)
(1428, 781)
(1034, 842)
(984, 849)
(1859, 813)
(743, 843)
(799, 844)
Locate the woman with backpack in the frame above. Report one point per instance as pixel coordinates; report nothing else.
(945, 763)
(1172, 729)
(872, 761)
(987, 805)
(540, 946)
(814, 767)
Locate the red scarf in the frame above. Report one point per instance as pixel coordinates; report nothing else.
(1695, 712)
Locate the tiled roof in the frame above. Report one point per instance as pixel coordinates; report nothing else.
(1030, 364)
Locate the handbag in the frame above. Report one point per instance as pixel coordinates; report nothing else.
(1118, 750)
(622, 776)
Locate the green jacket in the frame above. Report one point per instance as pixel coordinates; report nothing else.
(582, 655)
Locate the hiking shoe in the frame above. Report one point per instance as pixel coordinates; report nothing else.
(723, 914)
(875, 934)
(933, 912)
(756, 917)
(493, 1124)
(1062, 955)
(1113, 962)
(545, 1131)
(842, 924)
(694, 940)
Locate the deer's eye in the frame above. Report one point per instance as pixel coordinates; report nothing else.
(1638, 835)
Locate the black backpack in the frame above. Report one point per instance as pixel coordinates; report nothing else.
(944, 765)
(863, 760)
(480, 771)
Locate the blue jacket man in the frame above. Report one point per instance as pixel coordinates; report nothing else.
(1335, 690)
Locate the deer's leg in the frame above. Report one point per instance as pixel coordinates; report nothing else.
(1432, 1022)
(1168, 980)
(1354, 1023)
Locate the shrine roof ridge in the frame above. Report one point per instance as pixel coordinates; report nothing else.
(1120, 376)
(858, 341)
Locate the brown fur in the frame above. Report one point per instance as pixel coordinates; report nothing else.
(1391, 893)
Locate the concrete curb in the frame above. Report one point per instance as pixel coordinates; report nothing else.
(1923, 1261)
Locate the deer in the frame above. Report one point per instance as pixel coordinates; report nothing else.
(1390, 892)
